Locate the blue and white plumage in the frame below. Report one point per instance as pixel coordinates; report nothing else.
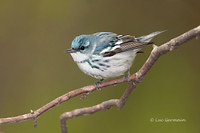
(105, 54)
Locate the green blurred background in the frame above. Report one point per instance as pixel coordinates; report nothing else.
(34, 69)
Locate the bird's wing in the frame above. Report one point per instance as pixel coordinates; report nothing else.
(125, 43)
(104, 41)
(110, 43)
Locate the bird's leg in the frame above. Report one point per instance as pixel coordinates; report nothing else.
(127, 75)
(98, 83)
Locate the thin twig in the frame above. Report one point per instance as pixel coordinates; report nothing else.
(134, 79)
(138, 77)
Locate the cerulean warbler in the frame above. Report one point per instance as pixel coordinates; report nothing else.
(105, 54)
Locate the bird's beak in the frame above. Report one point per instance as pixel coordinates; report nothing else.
(70, 50)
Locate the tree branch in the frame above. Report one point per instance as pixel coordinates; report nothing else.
(84, 90)
(134, 79)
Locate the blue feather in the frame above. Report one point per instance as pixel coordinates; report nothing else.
(104, 40)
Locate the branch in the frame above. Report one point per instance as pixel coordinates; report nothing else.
(137, 78)
(84, 90)
(134, 79)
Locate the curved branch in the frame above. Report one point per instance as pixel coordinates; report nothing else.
(138, 77)
(87, 89)
(135, 79)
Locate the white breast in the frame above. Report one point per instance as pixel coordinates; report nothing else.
(113, 66)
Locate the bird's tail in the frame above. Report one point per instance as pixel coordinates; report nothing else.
(148, 38)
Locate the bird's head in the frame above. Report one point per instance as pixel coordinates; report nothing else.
(80, 44)
(81, 48)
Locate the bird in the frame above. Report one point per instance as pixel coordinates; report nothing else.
(104, 55)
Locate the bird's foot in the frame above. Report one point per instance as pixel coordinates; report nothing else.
(127, 76)
(88, 93)
(98, 83)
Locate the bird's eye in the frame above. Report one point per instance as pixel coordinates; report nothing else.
(82, 47)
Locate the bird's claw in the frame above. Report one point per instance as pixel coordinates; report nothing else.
(127, 76)
(88, 93)
(98, 83)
